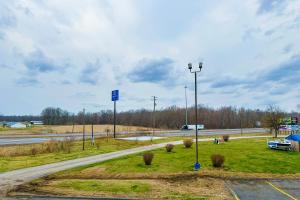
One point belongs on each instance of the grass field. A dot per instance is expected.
(245, 155)
(9, 162)
(171, 175)
(69, 129)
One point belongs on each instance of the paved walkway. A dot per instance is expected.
(9, 180)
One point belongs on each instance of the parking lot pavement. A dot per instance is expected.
(261, 189)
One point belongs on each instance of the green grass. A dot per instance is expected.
(113, 186)
(245, 155)
(18, 162)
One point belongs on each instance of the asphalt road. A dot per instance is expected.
(9, 180)
(265, 189)
(39, 138)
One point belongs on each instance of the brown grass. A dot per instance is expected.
(77, 129)
(34, 149)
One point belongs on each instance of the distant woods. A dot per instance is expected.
(171, 117)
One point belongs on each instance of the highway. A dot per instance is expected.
(39, 138)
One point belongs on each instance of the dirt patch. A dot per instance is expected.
(205, 188)
(99, 173)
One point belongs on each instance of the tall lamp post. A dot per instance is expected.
(186, 121)
(197, 165)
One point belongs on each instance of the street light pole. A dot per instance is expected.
(197, 165)
(186, 120)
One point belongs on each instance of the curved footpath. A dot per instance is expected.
(9, 180)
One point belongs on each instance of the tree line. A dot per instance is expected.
(170, 118)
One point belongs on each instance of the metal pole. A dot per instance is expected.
(93, 140)
(196, 113)
(153, 115)
(114, 119)
(186, 120)
(241, 125)
(83, 132)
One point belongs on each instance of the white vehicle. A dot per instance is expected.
(192, 127)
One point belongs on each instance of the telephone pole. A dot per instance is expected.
(153, 115)
(83, 131)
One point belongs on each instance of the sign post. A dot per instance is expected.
(114, 98)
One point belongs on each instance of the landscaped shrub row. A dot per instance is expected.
(216, 159)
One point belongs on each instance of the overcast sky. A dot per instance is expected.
(71, 54)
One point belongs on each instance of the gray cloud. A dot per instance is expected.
(6, 17)
(269, 5)
(26, 82)
(90, 73)
(39, 62)
(152, 70)
(286, 74)
(228, 82)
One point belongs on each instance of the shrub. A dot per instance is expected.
(148, 157)
(67, 144)
(51, 146)
(169, 147)
(217, 160)
(33, 151)
(226, 138)
(188, 143)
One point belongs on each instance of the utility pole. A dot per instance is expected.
(186, 113)
(83, 131)
(93, 139)
(73, 123)
(153, 114)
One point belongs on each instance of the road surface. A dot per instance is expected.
(9, 180)
(39, 138)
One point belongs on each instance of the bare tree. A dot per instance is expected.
(272, 118)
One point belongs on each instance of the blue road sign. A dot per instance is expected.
(115, 95)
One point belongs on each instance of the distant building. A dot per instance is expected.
(37, 122)
(15, 125)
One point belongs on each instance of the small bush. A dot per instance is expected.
(148, 157)
(226, 138)
(51, 146)
(217, 160)
(33, 151)
(169, 147)
(188, 143)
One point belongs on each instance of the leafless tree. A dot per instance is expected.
(272, 118)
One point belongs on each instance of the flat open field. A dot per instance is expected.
(244, 155)
(171, 174)
(70, 129)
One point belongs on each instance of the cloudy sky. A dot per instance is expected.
(71, 54)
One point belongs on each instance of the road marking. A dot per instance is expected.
(280, 190)
(233, 193)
